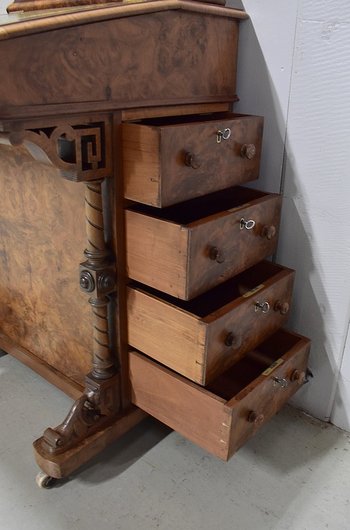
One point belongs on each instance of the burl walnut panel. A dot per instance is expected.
(165, 57)
(42, 236)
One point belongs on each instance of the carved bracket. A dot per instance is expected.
(96, 408)
(80, 151)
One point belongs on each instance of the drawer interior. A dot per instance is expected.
(188, 119)
(241, 374)
(195, 209)
(225, 293)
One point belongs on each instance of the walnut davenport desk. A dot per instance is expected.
(117, 136)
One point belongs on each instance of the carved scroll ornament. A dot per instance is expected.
(79, 152)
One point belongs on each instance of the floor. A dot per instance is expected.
(294, 475)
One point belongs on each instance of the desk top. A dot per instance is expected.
(25, 23)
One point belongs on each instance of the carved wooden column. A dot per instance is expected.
(100, 402)
(97, 278)
(81, 151)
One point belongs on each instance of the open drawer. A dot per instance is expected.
(223, 416)
(204, 336)
(186, 249)
(169, 160)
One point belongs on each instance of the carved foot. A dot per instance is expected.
(97, 407)
(63, 464)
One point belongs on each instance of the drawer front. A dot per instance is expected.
(202, 347)
(261, 400)
(235, 332)
(219, 424)
(168, 164)
(196, 161)
(232, 242)
(186, 258)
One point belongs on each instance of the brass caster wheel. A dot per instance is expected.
(45, 481)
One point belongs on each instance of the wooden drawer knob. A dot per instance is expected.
(192, 160)
(216, 254)
(254, 417)
(232, 340)
(281, 307)
(248, 151)
(269, 232)
(298, 376)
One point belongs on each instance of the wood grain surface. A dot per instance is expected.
(175, 110)
(186, 408)
(42, 237)
(191, 337)
(157, 253)
(141, 164)
(172, 249)
(218, 164)
(28, 23)
(221, 424)
(31, 5)
(59, 379)
(186, 58)
(238, 248)
(174, 337)
(265, 397)
(62, 465)
(248, 326)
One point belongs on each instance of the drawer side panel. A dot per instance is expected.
(180, 405)
(163, 247)
(167, 334)
(141, 163)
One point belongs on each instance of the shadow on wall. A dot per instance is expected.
(308, 315)
(258, 95)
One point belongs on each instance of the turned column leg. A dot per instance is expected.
(100, 403)
(80, 149)
(97, 278)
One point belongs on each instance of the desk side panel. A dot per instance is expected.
(42, 237)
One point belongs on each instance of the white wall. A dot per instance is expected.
(294, 69)
(264, 76)
(3, 5)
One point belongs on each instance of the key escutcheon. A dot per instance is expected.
(264, 307)
(246, 224)
(223, 135)
(280, 381)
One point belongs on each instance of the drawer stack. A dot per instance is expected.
(204, 307)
